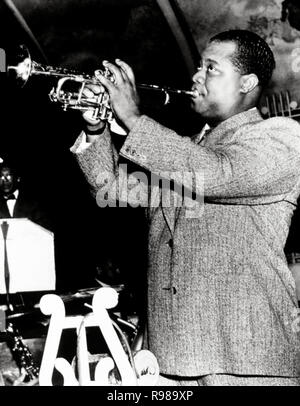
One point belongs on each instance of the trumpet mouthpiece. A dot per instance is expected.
(192, 93)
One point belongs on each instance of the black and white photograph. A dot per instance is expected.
(149, 195)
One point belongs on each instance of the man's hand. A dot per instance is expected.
(92, 125)
(123, 97)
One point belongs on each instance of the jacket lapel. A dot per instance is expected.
(210, 137)
(4, 209)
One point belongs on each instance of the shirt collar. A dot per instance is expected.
(15, 193)
(235, 121)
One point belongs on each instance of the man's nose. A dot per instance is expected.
(199, 77)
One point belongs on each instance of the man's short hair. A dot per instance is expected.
(253, 54)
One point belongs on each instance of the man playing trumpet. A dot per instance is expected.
(222, 306)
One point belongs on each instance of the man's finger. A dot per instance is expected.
(88, 93)
(127, 69)
(87, 115)
(90, 90)
(95, 88)
(114, 70)
(106, 83)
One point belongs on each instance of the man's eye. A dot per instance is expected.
(211, 68)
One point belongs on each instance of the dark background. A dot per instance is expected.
(37, 134)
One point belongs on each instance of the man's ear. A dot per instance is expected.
(249, 82)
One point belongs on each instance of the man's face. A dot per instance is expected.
(8, 181)
(218, 83)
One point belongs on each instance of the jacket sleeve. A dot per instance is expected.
(112, 182)
(261, 163)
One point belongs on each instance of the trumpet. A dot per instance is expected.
(99, 105)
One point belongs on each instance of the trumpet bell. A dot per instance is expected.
(21, 67)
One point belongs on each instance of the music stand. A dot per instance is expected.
(29, 256)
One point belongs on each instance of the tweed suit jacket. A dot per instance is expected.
(221, 298)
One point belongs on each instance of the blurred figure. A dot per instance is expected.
(15, 202)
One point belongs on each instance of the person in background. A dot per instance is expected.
(16, 202)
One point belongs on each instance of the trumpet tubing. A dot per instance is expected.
(76, 100)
